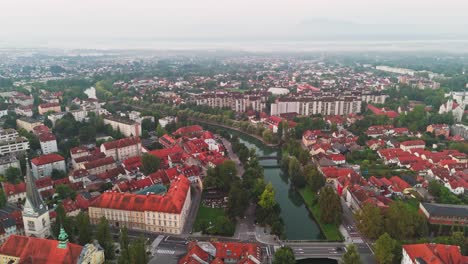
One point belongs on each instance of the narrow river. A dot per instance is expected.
(299, 224)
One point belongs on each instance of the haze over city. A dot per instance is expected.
(234, 131)
(230, 24)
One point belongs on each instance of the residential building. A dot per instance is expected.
(43, 165)
(22, 99)
(239, 102)
(324, 105)
(439, 130)
(80, 115)
(7, 228)
(127, 127)
(445, 214)
(23, 249)
(8, 134)
(48, 107)
(48, 143)
(100, 165)
(3, 112)
(152, 213)
(432, 253)
(36, 217)
(457, 109)
(7, 162)
(24, 110)
(374, 98)
(122, 149)
(27, 123)
(412, 144)
(166, 120)
(402, 71)
(13, 146)
(459, 130)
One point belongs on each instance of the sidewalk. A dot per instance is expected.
(263, 236)
(348, 238)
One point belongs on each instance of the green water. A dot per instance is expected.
(299, 225)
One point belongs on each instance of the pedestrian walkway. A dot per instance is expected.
(263, 235)
(165, 251)
(350, 237)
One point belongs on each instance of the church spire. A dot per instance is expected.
(63, 238)
(33, 198)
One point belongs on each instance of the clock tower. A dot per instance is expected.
(36, 217)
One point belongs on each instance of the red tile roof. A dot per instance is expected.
(122, 143)
(172, 202)
(40, 129)
(41, 251)
(164, 153)
(99, 163)
(188, 130)
(44, 137)
(48, 105)
(46, 159)
(435, 253)
(11, 189)
(413, 143)
(79, 149)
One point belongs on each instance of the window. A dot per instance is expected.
(31, 225)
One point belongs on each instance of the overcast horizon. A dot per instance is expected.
(210, 23)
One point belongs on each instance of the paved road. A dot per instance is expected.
(196, 200)
(233, 156)
(245, 227)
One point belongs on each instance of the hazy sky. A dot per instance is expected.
(103, 20)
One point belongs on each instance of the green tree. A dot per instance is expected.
(103, 235)
(238, 200)
(87, 133)
(314, 179)
(370, 221)
(434, 188)
(150, 163)
(295, 173)
(137, 251)
(402, 222)
(160, 131)
(351, 256)
(83, 226)
(64, 191)
(459, 239)
(58, 174)
(124, 241)
(3, 199)
(12, 175)
(267, 135)
(147, 124)
(284, 255)
(330, 206)
(384, 249)
(267, 198)
(62, 220)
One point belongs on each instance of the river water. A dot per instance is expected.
(299, 224)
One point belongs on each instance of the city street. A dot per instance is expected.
(232, 156)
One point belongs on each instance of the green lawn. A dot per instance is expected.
(206, 214)
(330, 231)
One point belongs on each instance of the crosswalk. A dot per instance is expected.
(165, 251)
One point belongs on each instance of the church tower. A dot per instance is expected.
(36, 217)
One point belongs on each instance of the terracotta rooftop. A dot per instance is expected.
(46, 159)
